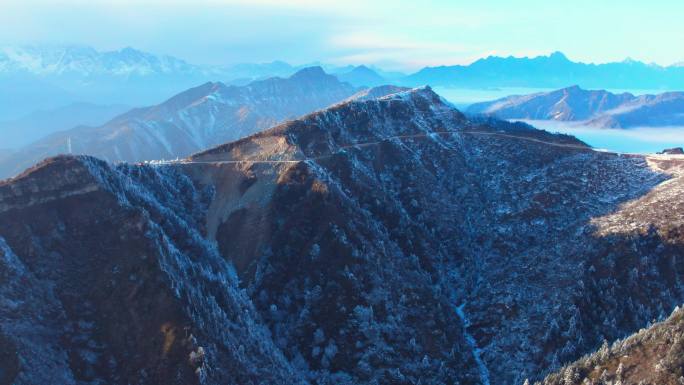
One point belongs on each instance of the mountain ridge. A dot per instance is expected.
(362, 76)
(194, 119)
(134, 77)
(597, 108)
(551, 71)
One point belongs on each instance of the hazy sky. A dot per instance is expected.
(390, 33)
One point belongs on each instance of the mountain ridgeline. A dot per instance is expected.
(201, 117)
(50, 77)
(552, 71)
(593, 108)
(379, 241)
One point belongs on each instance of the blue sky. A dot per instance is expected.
(402, 35)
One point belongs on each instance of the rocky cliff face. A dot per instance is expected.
(389, 240)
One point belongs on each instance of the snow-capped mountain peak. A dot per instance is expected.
(84, 60)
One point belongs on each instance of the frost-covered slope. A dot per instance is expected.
(117, 285)
(388, 241)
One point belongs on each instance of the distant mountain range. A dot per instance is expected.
(86, 61)
(48, 77)
(193, 120)
(593, 108)
(82, 74)
(362, 76)
(553, 71)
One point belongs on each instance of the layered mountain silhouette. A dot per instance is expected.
(198, 118)
(378, 241)
(593, 108)
(552, 71)
(362, 76)
(50, 77)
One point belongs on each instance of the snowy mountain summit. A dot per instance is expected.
(86, 61)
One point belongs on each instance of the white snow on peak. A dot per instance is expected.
(57, 60)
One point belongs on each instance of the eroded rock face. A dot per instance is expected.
(378, 241)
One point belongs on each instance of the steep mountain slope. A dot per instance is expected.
(193, 120)
(377, 241)
(651, 356)
(552, 71)
(595, 108)
(118, 286)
